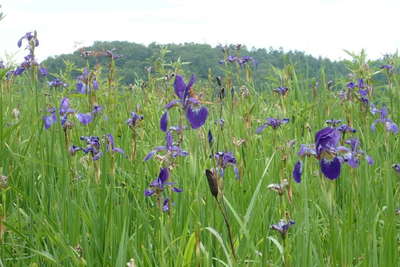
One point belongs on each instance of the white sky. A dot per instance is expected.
(318, 27)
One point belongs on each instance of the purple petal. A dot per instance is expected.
(166, 205)
(177, 190)
(148, 192)
(43, 71)
(191, 82)
(353, 162)
(330, 168)
(391, 126)
(179, 86)
(164, 174)
(85, 119)
(118, 150)
(261, 128)
(97, 156)
(236, 171)
(197, 117)
(164, 122)
(169, 140)
(298, 171)
(49, 120)
(149, 155)
(172, 103)
(369, 159)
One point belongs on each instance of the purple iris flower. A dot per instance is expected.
(352, 156)
(195, 114)
(361, 83)
(51, 119)
(160, 183)
(386, 67)
(225, 159)
(96, 109)
(80, 87)
(351, 85)
(64, 107)
(28, 36)
(165, 207)
(396, 167)
(85, 82)
(73, 149)
(43, 71)
(110, 144)
(274, 123)
(281, 90)
(18, 71)
(57, 83)
(232, 59)
(134, 119)
(65, 110)
(282, 226)
(330, 154)
(326, 141)
(92, 146)
(84, 118)
(388, 123)
(170, 148)
(2, 66)
(245, 59)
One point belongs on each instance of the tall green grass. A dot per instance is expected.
(55, 214)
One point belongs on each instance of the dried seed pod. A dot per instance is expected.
(212, 182)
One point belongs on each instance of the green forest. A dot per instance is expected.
(201, 59)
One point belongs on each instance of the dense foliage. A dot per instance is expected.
(202, 58)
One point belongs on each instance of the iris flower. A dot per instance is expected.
(281, 90)
(159, 184)
(29, 36)
(388, 123)
(92, 146)
(51, 119)
(224, 160)
(396, 167)
(330, 154)
(352, 156)
(57, 83)
(110, 144)
(274, 123)
(134, 119)
(282, 226)
(195, 114)
(86, 82)
(169, 147)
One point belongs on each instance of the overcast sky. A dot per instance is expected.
(318, 27)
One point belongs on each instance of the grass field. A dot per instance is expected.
(67, 206)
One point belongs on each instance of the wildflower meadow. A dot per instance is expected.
(178, 170)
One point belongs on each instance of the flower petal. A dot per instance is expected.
(164, 122)
(261, 128)
(85, 119)
(179, 86)
(197, 117)
(330, 168)
(298, 171)
(164, 174)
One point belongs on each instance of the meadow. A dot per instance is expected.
(174, 171)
